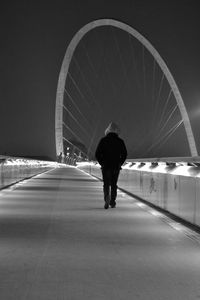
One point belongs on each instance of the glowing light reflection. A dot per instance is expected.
(156, 213)
(176, 226)
(142, 205)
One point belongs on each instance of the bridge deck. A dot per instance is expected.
(57, 242)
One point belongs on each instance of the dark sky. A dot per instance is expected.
(34, 38)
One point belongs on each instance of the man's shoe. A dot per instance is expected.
(106, 205)
(107, 202)
(113, 205)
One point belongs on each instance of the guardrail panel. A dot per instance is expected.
(172, 200)
(175, 187)
(13, 170)
(197, 204)
(187, 198)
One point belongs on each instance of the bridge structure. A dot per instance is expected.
(61, 124)
(57, 241)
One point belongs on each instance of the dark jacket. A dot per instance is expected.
(111, 151)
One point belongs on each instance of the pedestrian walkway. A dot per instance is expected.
(57, 242)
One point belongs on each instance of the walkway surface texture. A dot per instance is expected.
(57, 242)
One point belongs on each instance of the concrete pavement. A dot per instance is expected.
(57, 242)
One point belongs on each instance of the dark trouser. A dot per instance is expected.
(110, 177)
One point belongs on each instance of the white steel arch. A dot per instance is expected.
(65, 66)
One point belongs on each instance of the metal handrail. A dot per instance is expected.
(184, 159)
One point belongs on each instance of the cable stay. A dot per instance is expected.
(166, 135)
(97, 76)
(134, 63)
(115, 89)
(161, 85)
(75, 105)
(178, 124)
(78, 123)
(98, 80)
(89, 60)
(86, 82)
(120, 55)
(103, 52)
(170, 116)
(93, 136)
(73, 133)
(165, 107)
(72, 79)
(158, 99)
(153, 80)
(144, 70)
(88, 87)
(104, 66)
(156, 136)
(153, 94)
(144, 140)
(119, 90)
(74, 146)
(78, 89)
(83, 97)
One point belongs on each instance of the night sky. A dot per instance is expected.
(34, 39)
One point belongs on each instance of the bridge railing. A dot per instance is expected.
(15, 169)
(172, 184)
(72, 154)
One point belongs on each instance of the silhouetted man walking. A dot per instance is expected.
(111, 153)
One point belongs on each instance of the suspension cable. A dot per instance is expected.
(89, 59)
(165, 107)
(166, 135)
(158, 99)
(73, 133)
(93, 135)
(156, 137)
(78, 123)
(178, 124)
(74, 145)
(78, 89)
(96, 74)
(160, 88)
(86, 82)
(153, 80)
(120, 54)
(72, 100)
(134, 62)
(171, 114)
(144, 70)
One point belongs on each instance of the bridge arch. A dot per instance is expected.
(65, 66)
